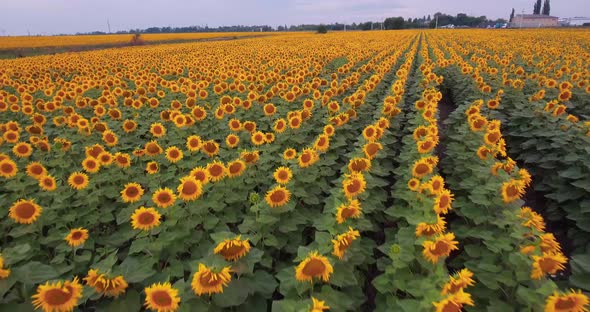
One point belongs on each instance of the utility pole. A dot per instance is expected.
(371, 25)
(109, 25)
(521, 18)
(436, 23)
(344, 27)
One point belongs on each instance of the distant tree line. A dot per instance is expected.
(399, 22)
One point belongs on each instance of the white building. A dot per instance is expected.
(574, 21)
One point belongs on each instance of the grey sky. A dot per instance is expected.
(17, 17)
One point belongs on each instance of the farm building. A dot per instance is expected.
(534, 21)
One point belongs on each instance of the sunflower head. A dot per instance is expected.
(314, 266)
(145, 219)
(76, 237)
(277, 196)
(58, 296)
(569, 301)
(440, 246)
(161, 297)
(343, 241)
(164, 197)
(283, 175)
(25, 211)
(210, 281)
(233, 249)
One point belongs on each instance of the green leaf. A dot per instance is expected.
(135, 270)
(35, 272)
(131, 301)
(234, 294)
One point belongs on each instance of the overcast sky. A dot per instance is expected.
(18, 17)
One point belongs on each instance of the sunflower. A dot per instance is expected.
(91, 165)
(249, 126)
(76, 237)
(193, 143)
(531, 219)
(283, 175)
(307, 158)
(145, 219)
(78, 180)
(565, 95)
(421, 168)
(353, 184)
(250, 157)
(492, 137)
(206, 280)
(512, 190)
(233, 249)
(152, 148)
(548, 263)
(454, 302)
(161, 297)
(318, 305)
(441, 247)
(164, 197)
(132, 192)
(278, 196)
(152, 167)
(234, 125)
(289, 154)
(129, 126)
(314, 266)
(11, 136)
(322, 143)
(25, 211)
(232, 140)
(158, 130)
(258, 138)
(371, 149)
(414, 184)
(459, 281)
(8, 168)
(110, 138)
(359, 165)
(211, 148)
(4, 272)
(437, 184)
(201, 174)
(429, 229)
(280, 125)
(351, 210)
(110, 287)
(443, 201)
(22, 150)
(58, 296)
(189, 188)
(235, 168)
(571, 301)
(105, 158)
(369, 133)
(216, 171)
(295, 122)
(343, 241)
(173, 154)
(549, 243)
(36, 170)
(269, 109)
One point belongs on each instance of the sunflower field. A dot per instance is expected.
(353, 171)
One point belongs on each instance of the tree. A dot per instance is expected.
(394, 23)
(546, 8)
(322, 29)
(537, 7)
(511, 15)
